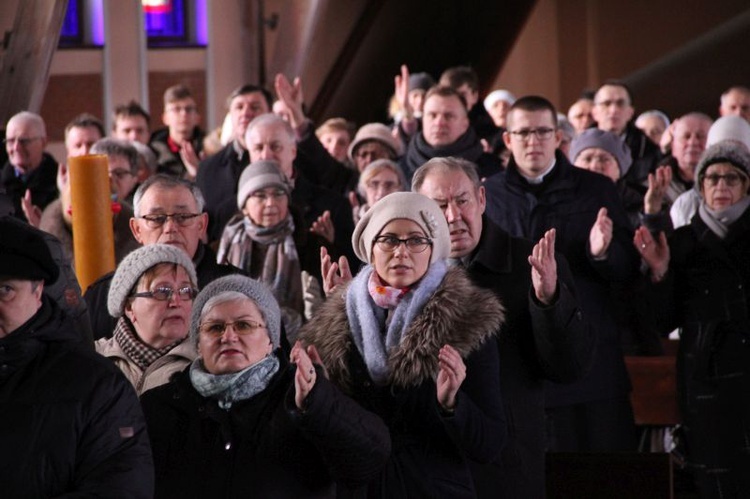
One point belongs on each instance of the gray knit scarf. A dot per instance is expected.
(235, 387)
(368, 321)
(281, 268)
(719, 221)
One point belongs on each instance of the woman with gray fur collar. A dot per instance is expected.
(411, 340)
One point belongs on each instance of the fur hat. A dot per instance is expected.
(133, 266)
(24, 254)
(409, 205)
(729, 128)
(498, 95)
(378, 132)
(255, 290)
(259, 175)
(723, 152)
(593, 137)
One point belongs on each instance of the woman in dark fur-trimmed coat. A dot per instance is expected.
(408, 340)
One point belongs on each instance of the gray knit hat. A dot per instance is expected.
(421, 81)
(255, 290)
(379, 133)
(593, 137)
(727, 151)
(409, 205)
(137, 262)
(259, 175)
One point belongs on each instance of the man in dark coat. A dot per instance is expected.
(70, 422)
(168, 210)
(545, 335)
(613, 111)
(29, 170)
(446, 132)
(539, 191)
(219, 174)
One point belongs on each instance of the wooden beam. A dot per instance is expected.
(25, 65)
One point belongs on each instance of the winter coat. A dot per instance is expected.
(535, 344)
(264, 446)
(156, 374)
(42, 182)
(103, 324)
(569, 200)
(217, 179)
(169, 161)
(706, 293)
(431, 448)
(69, 420)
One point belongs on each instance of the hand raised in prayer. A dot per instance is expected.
(292, 96)
(334, 274)
(544, 267)
(654, 252)
(658, 182)
(323, 227)
(304, 376)
(600, 236)
(451, 374)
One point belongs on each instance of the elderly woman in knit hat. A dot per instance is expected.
(242, 421)
(270, 244)
(701, 281)
(412, 340)
(151, 296)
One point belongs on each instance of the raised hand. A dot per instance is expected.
(600, 236)
(304, 376)
(323, 227)
(544, 267)
(189, 158)
(334, 274)
(655, 252)
(658, 182)
(32, 212)
(451, 374)
(292, 96)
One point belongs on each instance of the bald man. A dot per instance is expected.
(29, 171)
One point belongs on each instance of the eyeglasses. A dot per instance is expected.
(181, 109)
(387, 185)
(22, 141)
(541, 134)
(413, 244)
(240, 327)
(181, 219)
(731, 179)
(164, 293)
(263, 196)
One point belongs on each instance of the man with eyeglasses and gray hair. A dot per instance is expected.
(29, 170)
(167, 210)
(540, 190)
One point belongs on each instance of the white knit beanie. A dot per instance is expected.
(407, 205)
(255, 290)
(732, 128)
(133, 266)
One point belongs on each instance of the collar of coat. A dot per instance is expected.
(459, 314)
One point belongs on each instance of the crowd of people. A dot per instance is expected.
(415, 308)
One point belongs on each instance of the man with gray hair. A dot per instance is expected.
(167, 210)
(122, 159)
(545, 335)
(30, 172)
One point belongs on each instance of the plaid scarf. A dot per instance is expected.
(140, 353)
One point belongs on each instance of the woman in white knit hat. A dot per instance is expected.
(152, 297)
(412, 340)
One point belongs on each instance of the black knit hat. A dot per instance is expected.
(24, 253)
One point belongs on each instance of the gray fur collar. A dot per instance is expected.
(459, 314)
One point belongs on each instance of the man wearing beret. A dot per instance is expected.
(69, 421)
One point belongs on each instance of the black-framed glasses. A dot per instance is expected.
(157, 220)
(164, 293)
(240, 327)
(542, 133)
(731, 179)
(120, 174)
(414, 244)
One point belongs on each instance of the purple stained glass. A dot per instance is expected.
(170, 25)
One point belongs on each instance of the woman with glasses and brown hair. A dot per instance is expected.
(151, 296)
(701, 280)
(242, 421)
(411, 340)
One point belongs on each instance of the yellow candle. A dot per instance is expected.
(91, 205)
